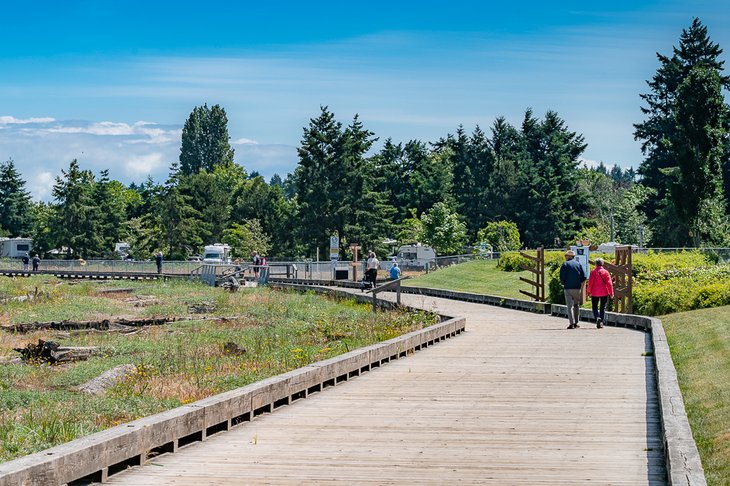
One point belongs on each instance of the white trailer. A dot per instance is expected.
(416, 255)
(217, 253)
(15, 247)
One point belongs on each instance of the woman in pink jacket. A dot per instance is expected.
(600, 288)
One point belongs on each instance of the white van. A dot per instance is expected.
(217, 253)
(416, 255)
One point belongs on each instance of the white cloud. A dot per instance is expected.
(144, 165)
(591, 164)
(113, 129)
(40, 185)
(11, 120)
(130, 152)
(244, 141)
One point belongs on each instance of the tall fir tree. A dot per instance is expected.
(16, 215)
(697, 146)
(659, 129)
(110, 205)
(205, 140)
(336, 186)
(552, 209)
(75, 225)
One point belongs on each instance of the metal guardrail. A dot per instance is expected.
(105, 266)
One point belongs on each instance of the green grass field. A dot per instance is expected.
(700, 344)
(176, 363)
(478, 276)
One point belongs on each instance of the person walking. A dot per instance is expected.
(600, 288)
(572, 277)
(264, 270)
(26, 262)
(255, 264)
(158, 261)
(371, 268)
(36, 261)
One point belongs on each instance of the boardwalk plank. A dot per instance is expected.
(517, 399)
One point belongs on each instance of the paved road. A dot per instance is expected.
(517, 399)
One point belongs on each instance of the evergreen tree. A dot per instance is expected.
(471, 162)
(254, 199)
(75, 225)
(552, 210)
(178, 222)
(697, 147)
(16, 216)
(504, 179)
(205, 140)
(110, 206)
(431, 181)
(335, 187)
(660, 127)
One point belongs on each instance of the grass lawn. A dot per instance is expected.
(700, 345)
(478, 276)
(273, 332)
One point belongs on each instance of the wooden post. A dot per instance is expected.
(538, 268)
(354, 248)
(623, 281)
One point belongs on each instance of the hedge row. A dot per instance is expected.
(663, 282)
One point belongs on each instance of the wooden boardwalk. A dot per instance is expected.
(517, 399)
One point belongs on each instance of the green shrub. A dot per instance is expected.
(651, 263)
(677, 291)
(555, 288)
(664, 297)
(712, 295)
(502, 235)
(512, 261)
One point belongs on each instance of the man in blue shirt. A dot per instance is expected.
(572, 277)
(395, 271)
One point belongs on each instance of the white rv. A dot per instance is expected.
(416, 255)
(217, 253)
(15, 247)
(122, 249)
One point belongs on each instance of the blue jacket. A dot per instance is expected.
(571, 274)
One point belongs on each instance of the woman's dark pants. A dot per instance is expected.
(595, 301)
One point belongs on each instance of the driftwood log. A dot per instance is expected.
(102, 325)
(53, 353)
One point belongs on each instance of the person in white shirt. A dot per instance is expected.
(371, 268)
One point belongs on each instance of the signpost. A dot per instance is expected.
(334, 253)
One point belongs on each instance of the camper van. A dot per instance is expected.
(15, 247)
(217, 253)
(416, 255)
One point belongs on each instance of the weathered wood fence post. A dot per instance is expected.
(623, 280)
(538, 268)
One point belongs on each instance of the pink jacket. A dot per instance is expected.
(599, 283)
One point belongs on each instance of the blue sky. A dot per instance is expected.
(111, 83)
